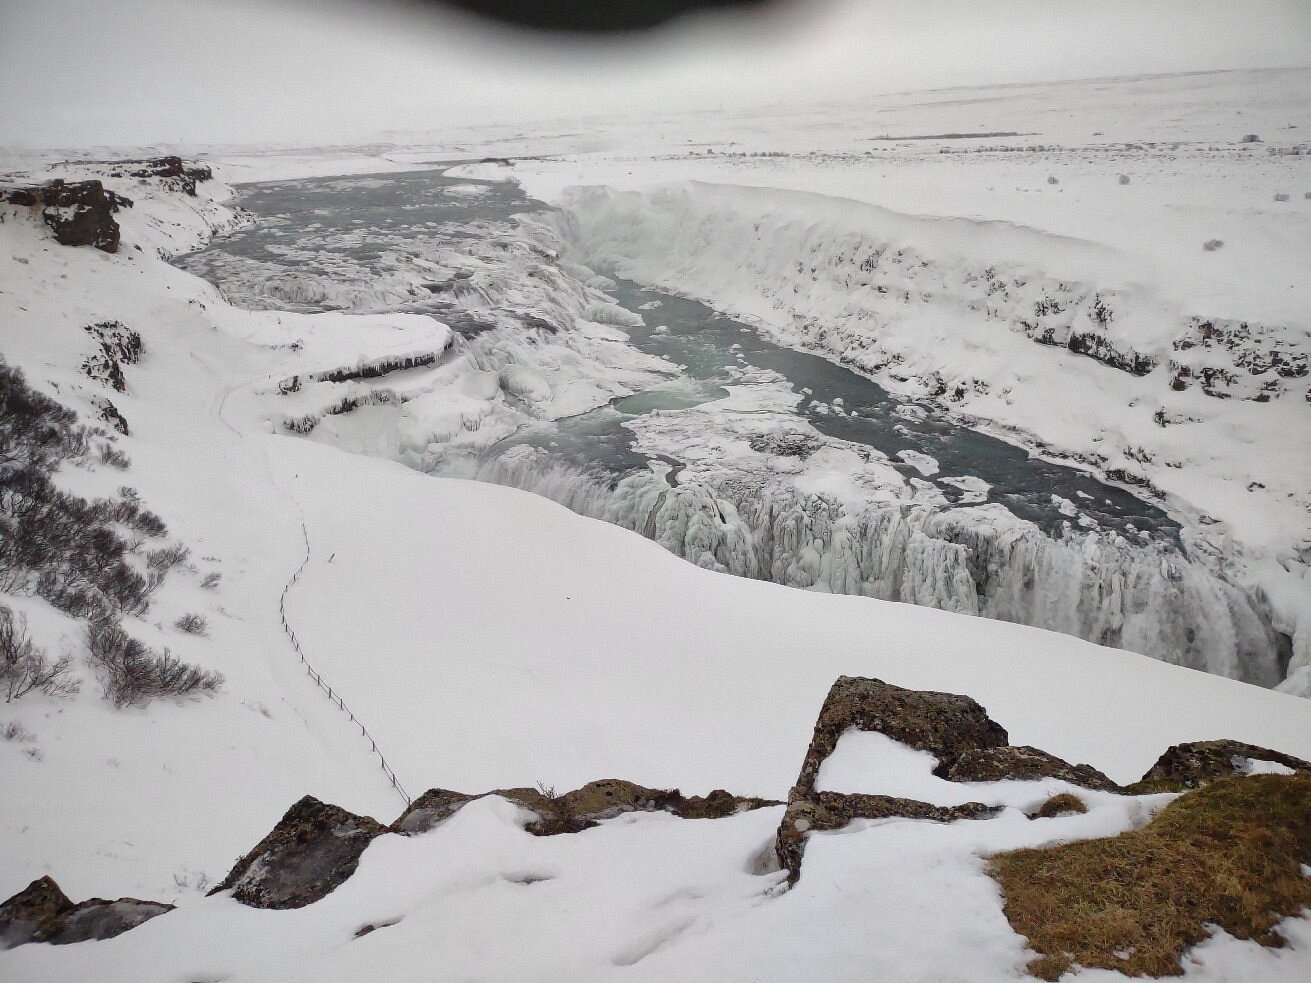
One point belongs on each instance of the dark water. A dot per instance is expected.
(348, 226)
(704, 341)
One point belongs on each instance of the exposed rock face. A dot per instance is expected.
(1198, 762)
(582, 808)
(944, 724)
(173, 171)
(1024, 763)
(834, 810)
(117, 346)
(41, 912)
(80, 213)
(309, 853)
(429, 810)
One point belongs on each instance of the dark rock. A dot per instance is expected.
(41, 912)
(429, 810)
(1198, 762)
(719, 804)
(834, 810)
(580, 809)
(1024, 764)
(1098, 347)
(79, 214)
(944, 724)
(97, 919)
(33, 914)
(117, 346)
(111, 415)
(800, 445)
(173, 172)
(310, 852)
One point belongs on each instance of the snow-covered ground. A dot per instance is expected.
(488, 637)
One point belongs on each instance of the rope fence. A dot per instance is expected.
(314, 674)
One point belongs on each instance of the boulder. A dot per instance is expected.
(310, 852)
(944, 724)
(97, 919)
(834, 810)
(1194, 764)
(1023, 764)
(41, 912)
(33, 914)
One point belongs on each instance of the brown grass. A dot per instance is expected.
(1061, 804)
(1226, 855)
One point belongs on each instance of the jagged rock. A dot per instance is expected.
(33, 914)
(944, 724)
(41, 912)
(79, 213)
(118, 345)
(800, 445)
(174, 171)
(834, 810)
(1198, 762)
(111, 415)
(309, 853)
(580, 809)
(1024, 763)
(98, 919)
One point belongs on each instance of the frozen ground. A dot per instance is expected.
(491, 638)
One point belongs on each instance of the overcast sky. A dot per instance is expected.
(123, 72)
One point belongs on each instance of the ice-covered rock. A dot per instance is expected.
(41, 912)
(312, 850)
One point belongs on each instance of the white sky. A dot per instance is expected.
(86, 72)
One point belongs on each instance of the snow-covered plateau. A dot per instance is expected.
(305, 426)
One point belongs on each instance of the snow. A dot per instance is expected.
(491, 638)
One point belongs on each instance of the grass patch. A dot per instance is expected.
(1062, 804)
(1226, 855)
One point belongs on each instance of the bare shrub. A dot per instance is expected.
(1211, 245)
(192, 623)
(14, 731)
(54, 544)
(24, 667)
(211, 580)
(166, 558)
(131, 674)
(113, 457)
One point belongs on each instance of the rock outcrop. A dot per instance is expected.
(1196, 763)
(1024, 763)
(79, 213)
(310, 852)
(41, 912)
(944, 724)
(821, 811)
(580, 809)
(173, 172)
